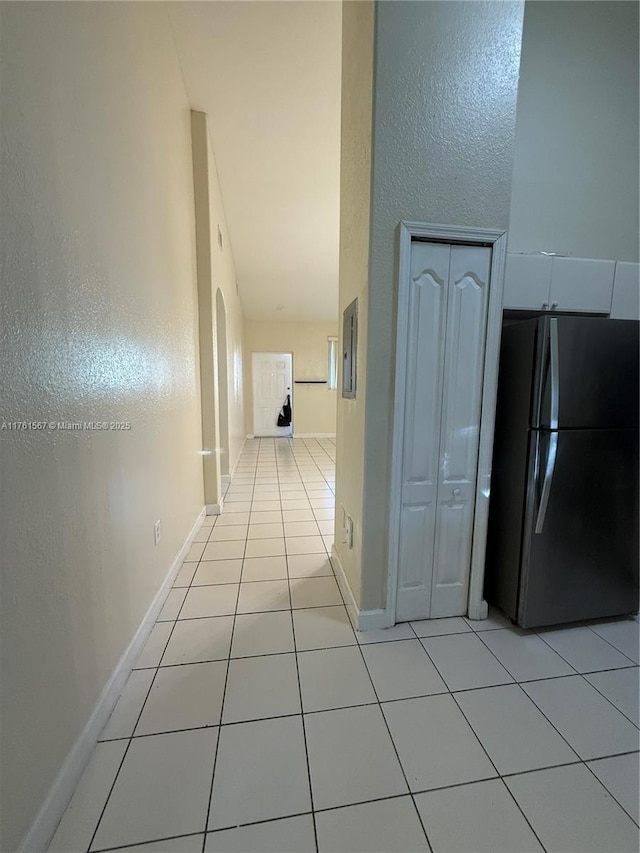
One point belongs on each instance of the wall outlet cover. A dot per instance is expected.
(349, 532)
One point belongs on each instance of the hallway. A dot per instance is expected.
(477, 737)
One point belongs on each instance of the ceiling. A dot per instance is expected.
(267, 73)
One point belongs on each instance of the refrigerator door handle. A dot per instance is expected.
(548, 478)
(555, 373)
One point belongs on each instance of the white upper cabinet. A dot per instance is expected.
(581, 284)
(541, 282)
(527, 281)
(626, 292)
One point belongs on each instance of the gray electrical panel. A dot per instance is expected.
(349, 349)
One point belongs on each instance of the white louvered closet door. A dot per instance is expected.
(448, 301)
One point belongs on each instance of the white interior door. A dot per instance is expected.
(448, 294)
(460, 427)
(421, 448)
(271, 384)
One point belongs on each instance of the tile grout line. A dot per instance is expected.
(144, 843)
(358, 803)
(583, 675)
(302, 720)
(146, 699)
(309, 499)
(451, 693)
(499, 774)
(580, 760)
(220, 725)
(482, 746)
(325, 648)
(573, 674)
(488, 647)
(604, 696)
(345, 707)
(613, 620)
(393, 743)
(224, 694)
(519, 683)
(610, 793)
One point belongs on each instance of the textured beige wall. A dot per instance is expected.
(217, 289)
(314, 406)
(355, 194)
(575, 177)
(442, 152)
(99, 324)
(208, 378)
(224, 281)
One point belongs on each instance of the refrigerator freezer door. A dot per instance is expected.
(509, 470)
(583, 562)
(597, 374)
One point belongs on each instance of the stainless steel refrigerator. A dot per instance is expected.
(563, 519)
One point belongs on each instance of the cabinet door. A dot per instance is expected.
(468, 294)
(421, 447)
(625, 304)
(581, 284)
(527, 279)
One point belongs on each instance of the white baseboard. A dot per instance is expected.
(369, 620)
(227, 479)
(479, 610)
(237, 459)
(345, 588)
(274, 435)
(362, 620)
(314, 435)
(215, 509)
(297, 435)
(53, 808)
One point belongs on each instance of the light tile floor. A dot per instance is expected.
(257, 720)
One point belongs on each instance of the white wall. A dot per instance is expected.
(314, 406)
(445, 84)
(99, 324)
(575, 178)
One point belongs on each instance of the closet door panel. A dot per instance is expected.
(453, 558)
(424, 377)
(468, 292)
(423, 407)
(416, 560)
